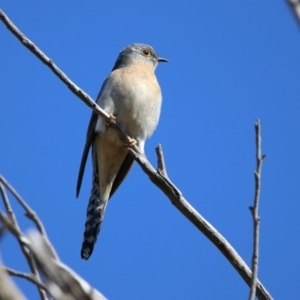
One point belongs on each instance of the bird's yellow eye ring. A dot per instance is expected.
(146, 52)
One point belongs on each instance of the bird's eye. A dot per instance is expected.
(146, 52)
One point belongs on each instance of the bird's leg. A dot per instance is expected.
(131, 143)
(110, 119)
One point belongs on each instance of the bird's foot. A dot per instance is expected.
(110, 119)
(131, 143)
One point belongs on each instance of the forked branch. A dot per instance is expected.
(158, 177)
(60, 281)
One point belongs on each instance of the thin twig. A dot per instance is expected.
(47, 61)
(29, 277)
(29, 212)
(7, 205)
(9, 225)
(160, 160)
(295, 7)
(8, 290)
(254, 210)
(62, 282)
(13, 227)
(177, 199)
(157, 177)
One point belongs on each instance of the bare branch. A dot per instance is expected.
(160, 160)
(29, 277)
(62, 282)
(8, 290)
(7, 205)
(176, 198)
(63, 77)
(29, 212)
(47, 61)
(295, 7)
(254, 210)
(13, 227)
(9, 225)
(157, 176)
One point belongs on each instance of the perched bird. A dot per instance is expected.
(132, 95)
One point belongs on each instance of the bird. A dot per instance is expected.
(131, 95)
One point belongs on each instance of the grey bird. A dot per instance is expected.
(132, 95)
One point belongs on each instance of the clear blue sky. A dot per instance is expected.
(231, 62)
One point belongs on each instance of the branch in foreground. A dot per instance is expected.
(29, 277)
(61, 281)
(24, 243)
(176, 198)
(295, 7)
(158, 177)
(29, 212)
(8, 290)
(254, 210)
(12, 223)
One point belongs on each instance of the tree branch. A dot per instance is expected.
(161, 166)
(29, 212)
(29, 277)
(158, 177)
(61, 282)
(176, 198)
(295, 7)
(8, 290)
(12, 224)
(254, 210)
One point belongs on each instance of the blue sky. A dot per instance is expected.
(231, 62)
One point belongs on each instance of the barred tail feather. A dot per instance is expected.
(108, 160)
(94, 217)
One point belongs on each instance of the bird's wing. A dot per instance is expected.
(125, 168)
(104, 99)
(89, 141)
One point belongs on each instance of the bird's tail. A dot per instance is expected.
(94, 217)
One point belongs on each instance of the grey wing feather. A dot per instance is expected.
(125, 168)
(90, 137)
(128, 162)
(89, 141)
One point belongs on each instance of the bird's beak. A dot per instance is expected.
(160, 59)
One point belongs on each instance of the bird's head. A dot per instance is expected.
(140, 52)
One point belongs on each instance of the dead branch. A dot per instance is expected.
(158, 176)
(12, 223)
(61, 282)
(8, 290)
(27, 276)
(29, 212)
(254, 210)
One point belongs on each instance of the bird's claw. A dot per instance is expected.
(110, 119)
(131, 143)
